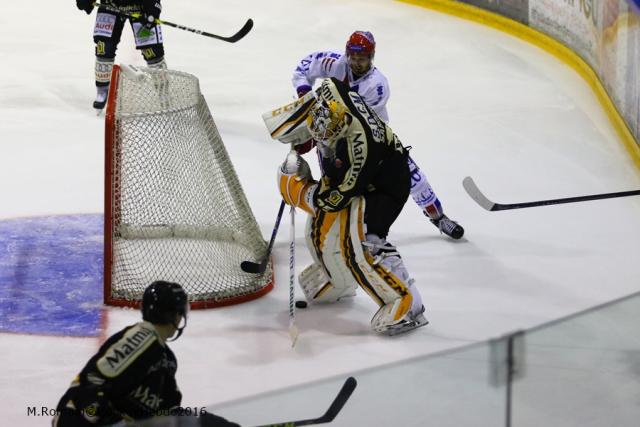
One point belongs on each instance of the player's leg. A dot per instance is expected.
(149, 42)
(323, 237)
(382, 209)
(337, 242)
(106, 36)
(400, 314)
(424, 196)
(386, 201)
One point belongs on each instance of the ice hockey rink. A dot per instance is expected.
(470, 101)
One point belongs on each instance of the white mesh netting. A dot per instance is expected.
(177, 210)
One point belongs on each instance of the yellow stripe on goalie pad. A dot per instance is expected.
(336, 240)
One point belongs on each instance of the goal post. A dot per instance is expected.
(174, 207)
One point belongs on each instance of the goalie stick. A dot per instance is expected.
(136, 15)
(475, 193)
(254, 267)
(337, 404)
(293, 329)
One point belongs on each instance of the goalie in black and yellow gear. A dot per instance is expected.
(364, 185)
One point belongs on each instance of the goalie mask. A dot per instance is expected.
(327, 121)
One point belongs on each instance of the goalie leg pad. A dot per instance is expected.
(335, 241)
(386, 258)
(317, 287)
(328, 279)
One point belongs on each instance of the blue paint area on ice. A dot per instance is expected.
(51, 275)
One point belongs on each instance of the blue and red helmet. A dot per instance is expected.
(361, 42)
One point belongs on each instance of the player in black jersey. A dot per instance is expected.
(363, 188)
(132, 376)
(108, 30)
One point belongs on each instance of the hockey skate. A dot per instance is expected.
(447, 226)
(101, 99)
(410, 321)
(384, 321)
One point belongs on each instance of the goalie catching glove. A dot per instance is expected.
(296, 184)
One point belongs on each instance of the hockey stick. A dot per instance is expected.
(475, 193)
(293, 329)
(336, 406)
(137, 15)
(254, 267)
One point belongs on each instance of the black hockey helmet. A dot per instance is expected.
(162, 301)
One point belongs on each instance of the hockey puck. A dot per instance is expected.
(301, 304)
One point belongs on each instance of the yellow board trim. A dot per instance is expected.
(549, 44)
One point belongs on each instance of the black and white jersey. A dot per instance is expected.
(130, 6)
(132, 376)
(124, 3)
(353, 163)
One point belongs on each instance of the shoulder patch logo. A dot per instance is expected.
(126, 350)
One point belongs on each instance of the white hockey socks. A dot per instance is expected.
(103, 70)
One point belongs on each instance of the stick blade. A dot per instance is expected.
(252, 267)
(242, 32)
(343, 395)
(336, 406)
(474, 192)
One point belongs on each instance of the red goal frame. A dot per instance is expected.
(111, 214)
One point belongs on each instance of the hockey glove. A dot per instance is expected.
(86, 5)
(150, 12)
(93, 405)
(303, 90)
(296, 185)
(305, 147)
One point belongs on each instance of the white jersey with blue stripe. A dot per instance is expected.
(373, 86)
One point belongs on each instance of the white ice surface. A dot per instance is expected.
(470, 100)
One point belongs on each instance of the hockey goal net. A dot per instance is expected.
(174, 207)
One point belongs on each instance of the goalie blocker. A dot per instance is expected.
(346, 241)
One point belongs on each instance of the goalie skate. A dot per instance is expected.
(412, 321)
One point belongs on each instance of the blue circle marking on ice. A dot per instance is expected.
(51, 275)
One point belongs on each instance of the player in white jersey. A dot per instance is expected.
(355, 68)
